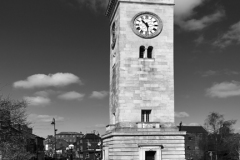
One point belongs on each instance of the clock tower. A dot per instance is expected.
(142, 82)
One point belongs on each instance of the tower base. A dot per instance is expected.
(145, 141)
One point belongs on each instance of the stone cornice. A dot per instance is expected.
(112, 4)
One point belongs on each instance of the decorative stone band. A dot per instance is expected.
(151, 145)
(148, 125)
(112, 4)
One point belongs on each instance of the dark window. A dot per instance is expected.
(141, 52)
(145, 115)
(150, 155)
(87, 155)
(149, 52)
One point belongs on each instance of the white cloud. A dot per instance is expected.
(181, 114)
(71, 96)
(184, 12)
(51, 80)
(92, 4)
(198, 24)
(219, 72)
(230, 37)
(199, 40)
(237, 130)
(184, 8)
(210, 73)
(37, 101)
(99, 94)
(95, 4)
(44, 118)
(224, 89)
(194, 124)
(100, 125)
(42, 93)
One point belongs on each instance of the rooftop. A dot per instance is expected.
(71, 133)
(91, 136)
(193, 129)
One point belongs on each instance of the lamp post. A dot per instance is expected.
(70, 148)
(55, 130)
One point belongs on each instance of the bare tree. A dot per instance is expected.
(233, 143)
(13, 140)
(219, 131)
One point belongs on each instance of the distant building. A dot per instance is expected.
(79, 147)
(70, 137)
(91, 147)
(49, 146)
(88, 146)
(195, 142)
(33, 143)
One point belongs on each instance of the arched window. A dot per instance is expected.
(149, 52)
(141, 52)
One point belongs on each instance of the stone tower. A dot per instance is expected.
(142, 82)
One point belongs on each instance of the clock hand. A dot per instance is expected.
(145, 23)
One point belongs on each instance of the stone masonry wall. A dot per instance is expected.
(127, 147)
(143, 83)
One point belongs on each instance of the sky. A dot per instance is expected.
(55, 55)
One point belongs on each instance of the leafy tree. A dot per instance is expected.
(13, 141)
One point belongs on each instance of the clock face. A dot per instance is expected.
(147, 25)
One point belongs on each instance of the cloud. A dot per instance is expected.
(184, 12)
(71, 96)
(199, 40)
(37, 101)
(210, 73)
(230, 37)
(100, 125)
(194, 124)
(44, 118)
(191, 124)
(99, 94)
(199, 24)
(184, 8)
(237, 130)
(224, 89)
(51, 80)
(94, 5)
(42, 93)
(181, 114)
(45, 93)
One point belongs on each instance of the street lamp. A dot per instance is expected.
(70, 148)
(55, 130)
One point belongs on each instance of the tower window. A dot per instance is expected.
(145, 115)
(141, 52)
(149, 52)
(87, 155)
(150, 155)
(114, 118)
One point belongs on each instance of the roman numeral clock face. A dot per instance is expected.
(146, 25)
